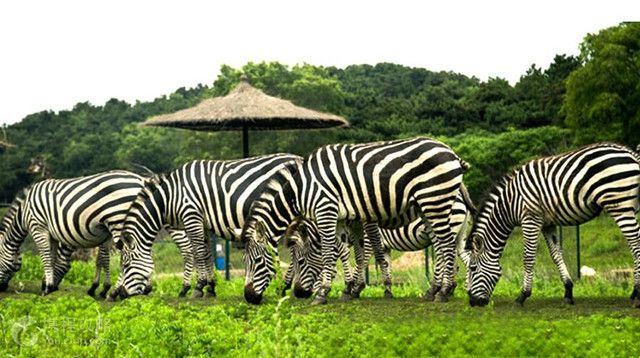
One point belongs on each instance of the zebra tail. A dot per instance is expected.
(465, 166)
(467, 200)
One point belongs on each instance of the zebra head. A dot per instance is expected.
(260, 256)
(486, 241)
(141, 225)
(10, 263)
(13, 232)
(305, 246)
(136, 264)
(484, 271)
(303, 241)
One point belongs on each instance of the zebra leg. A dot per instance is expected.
(626, 221)
(41, 239)
(387, 288)
(362, 260)
(194, 226)
(102, 261)
(211, 279)
(327, 228)
(288, 279)
(186, 251)
(558, 259)
(436, 284)
(372, 232)
(530, 229)
(96, 277)
(62, 263)
(436, 209)
(349, 275)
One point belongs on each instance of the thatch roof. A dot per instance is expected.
(246, 106)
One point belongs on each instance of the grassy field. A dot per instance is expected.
(68, 322)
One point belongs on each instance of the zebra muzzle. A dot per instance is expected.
(478, 301)
(251, 296)
(4, 286)
(301, 292)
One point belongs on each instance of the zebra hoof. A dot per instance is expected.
(197, 293)
(441, 297)
(346, 297)
(636, 303)
(103, 293)
(210, 293)
(431, 293)
(319, 301)
(185, 289)
(568, 301)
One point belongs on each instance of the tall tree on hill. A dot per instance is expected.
(603, 96)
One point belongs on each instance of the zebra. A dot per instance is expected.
(200, 195)
(565, 189)
(381, 184)
(66, 214)
(418, 235)
(295, 240)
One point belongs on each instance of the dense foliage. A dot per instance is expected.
(384, 101)
(602, 323)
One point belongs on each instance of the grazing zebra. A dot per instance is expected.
(566, 189)
(66, 214)
(295, 241)
(198, 196)
(306, 248)
(382, 184)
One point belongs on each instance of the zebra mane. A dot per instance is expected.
(274, 185)
(13, 209)
(487, 202)
(149, 187)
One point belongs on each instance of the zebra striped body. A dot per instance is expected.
(566, 189)
(383, 184)
(66, 214)
(198, 196)
(415, 236)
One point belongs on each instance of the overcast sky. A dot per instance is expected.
(54, 54)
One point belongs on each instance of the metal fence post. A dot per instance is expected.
(578, 251)
(366, 274)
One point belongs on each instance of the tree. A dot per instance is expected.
(603, 96)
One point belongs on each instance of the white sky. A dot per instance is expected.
(54, 54)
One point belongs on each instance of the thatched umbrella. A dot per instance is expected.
(245, 108)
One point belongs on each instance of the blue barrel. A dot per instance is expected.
(220, 263)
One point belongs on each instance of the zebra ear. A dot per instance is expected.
(260, 230)
(297, 226)
(118, 243)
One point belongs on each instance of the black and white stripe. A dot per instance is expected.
(382, 184)
(418, 235)
(63, 215)
(566, 189)
(198, 196)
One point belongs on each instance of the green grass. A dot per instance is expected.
(602, 323)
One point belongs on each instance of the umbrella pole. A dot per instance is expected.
(245, 142)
